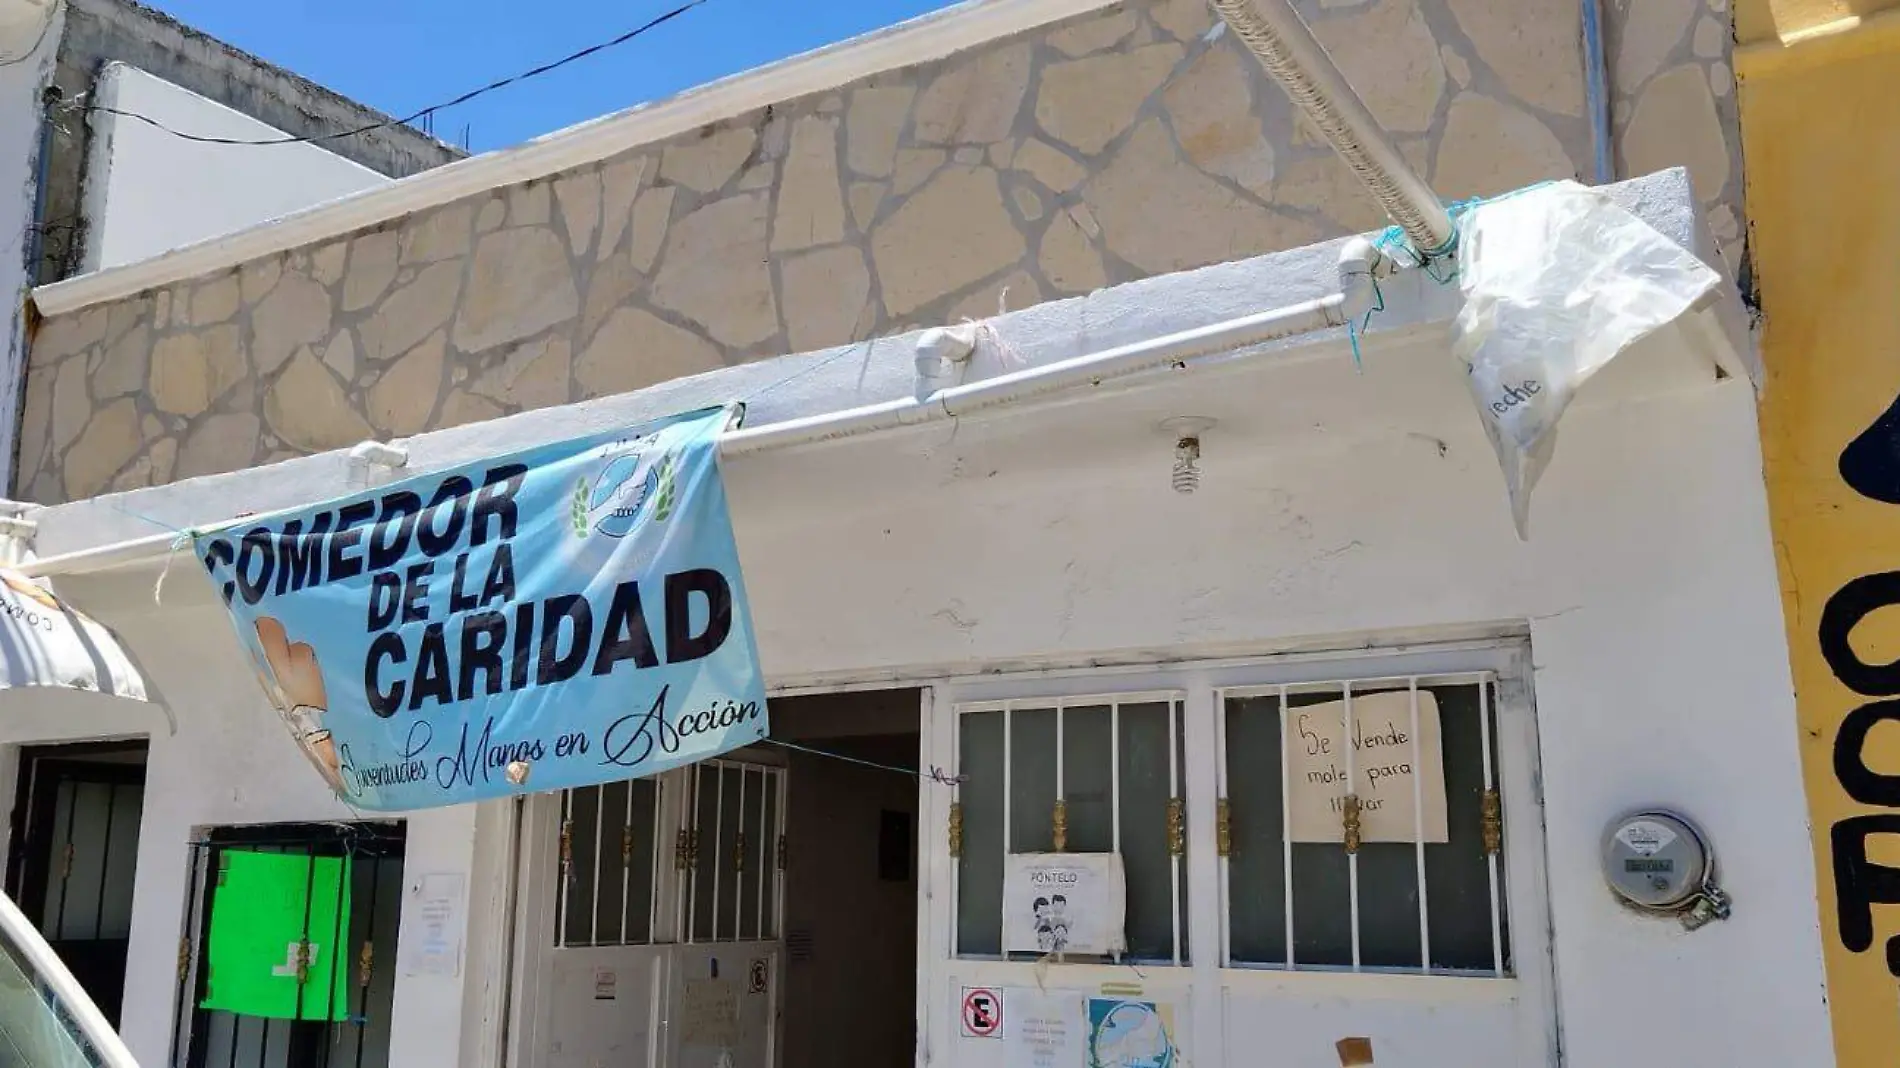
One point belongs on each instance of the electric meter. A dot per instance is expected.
(1659, 862)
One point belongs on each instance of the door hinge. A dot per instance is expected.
(1177, 826)
(956, 828)
(1223, 828)
(1059, 826)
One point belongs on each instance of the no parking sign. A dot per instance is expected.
(982, 1012)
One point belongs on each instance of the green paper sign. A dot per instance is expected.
(279, 931)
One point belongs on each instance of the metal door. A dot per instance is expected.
(663, 897)
(75, 852)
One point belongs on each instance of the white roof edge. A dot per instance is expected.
(920, 40)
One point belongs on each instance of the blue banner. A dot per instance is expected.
(562, 616)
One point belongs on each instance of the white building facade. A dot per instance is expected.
(1034, 583)
(997, 635)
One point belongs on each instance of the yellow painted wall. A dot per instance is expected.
(1821, 137)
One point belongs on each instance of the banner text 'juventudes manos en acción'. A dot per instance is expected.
(562, 616)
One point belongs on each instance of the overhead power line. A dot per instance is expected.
(429, 111)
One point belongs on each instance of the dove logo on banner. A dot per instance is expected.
(562, 616)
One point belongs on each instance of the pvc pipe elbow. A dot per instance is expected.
(1361, 265)
(939, 351)
(379, 454)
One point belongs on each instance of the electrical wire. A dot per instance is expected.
(934, 774)
(526, 75)
(52, 16)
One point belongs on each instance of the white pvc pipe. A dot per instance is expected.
(1286, 47)
(1017, 386)
(1359, 264)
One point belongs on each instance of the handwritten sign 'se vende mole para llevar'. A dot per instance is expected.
(1394, 773)
(561, 616)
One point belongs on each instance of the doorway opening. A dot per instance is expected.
(73, 855)
(754, 910)
(851, 878)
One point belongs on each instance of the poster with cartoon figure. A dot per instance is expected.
(1056, 903)
(561, 616)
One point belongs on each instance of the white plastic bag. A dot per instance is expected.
(1558, 281)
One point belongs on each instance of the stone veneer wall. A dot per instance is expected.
(1673, 103)
(1130, 142)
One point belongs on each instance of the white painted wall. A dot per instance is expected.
(231, 763)
(29, 38)
(1338, 508)
(148, 191)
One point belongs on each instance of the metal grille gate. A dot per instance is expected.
(207, 1038)
(693, 856)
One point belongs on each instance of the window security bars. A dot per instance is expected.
(1407, 878)
(610, 860)
(693, 856)
(1081, 774)
(735, 839)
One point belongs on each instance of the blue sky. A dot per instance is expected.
(403, 55)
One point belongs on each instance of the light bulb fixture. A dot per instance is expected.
(1186, 430)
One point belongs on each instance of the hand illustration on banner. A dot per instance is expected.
(298, 692)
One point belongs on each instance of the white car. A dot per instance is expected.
(46, 1020)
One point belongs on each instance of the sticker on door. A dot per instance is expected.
(982, 1012)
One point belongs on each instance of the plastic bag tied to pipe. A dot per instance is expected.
(1558, 280)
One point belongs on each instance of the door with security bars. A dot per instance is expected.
(288, 957)
(724, 993)
(74, 854)
(1354, 841)
(664, 900)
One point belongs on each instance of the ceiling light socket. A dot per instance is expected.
(1186, 430)
(1187, 426)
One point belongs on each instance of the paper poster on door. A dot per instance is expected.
(437, 949)
(1396, 777)
(1125, 1033)
(1064, 903)
(709, 1013)
(1043, 1030)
